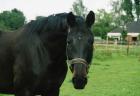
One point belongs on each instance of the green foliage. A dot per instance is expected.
(11, 20)
(137, 8)
(127, 6)
(123, 12)
(78, 8)
(104, 23)
(124, 34)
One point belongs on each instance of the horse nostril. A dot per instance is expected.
(79, 82)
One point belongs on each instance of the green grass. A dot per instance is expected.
(116, 77)
(112, 73)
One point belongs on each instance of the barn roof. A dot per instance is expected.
(133, 27)
(116, 30)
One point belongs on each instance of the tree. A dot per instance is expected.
(127, 6)
(137, 8)
(124, 34)
(139, 37)
(123, 12)
(123, 15)
(117, 11)
(79, 9)
(12, 20)
(104, 23)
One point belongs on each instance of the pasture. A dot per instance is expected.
(112, 73)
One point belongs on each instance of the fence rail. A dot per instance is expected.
(125, 49)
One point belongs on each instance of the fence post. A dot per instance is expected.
(128, 44)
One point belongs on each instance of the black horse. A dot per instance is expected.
(33, 59)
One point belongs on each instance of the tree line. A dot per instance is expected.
(123, 12)
(11, 20)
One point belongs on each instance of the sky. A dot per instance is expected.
(33, 8)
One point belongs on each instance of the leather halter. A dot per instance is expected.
(78, 61)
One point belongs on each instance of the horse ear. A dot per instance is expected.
(71, 19)
(90, 18)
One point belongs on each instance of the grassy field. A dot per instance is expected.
(112, 73)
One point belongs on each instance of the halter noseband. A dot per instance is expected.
(78, 61)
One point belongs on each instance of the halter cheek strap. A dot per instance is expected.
(68, 30)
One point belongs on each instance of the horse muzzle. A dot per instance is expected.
(79, 82)
(79, 68)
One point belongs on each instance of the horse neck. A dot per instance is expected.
(55, 44)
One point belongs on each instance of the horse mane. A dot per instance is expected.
(35, 26)
(30, 45)
(52, 23)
